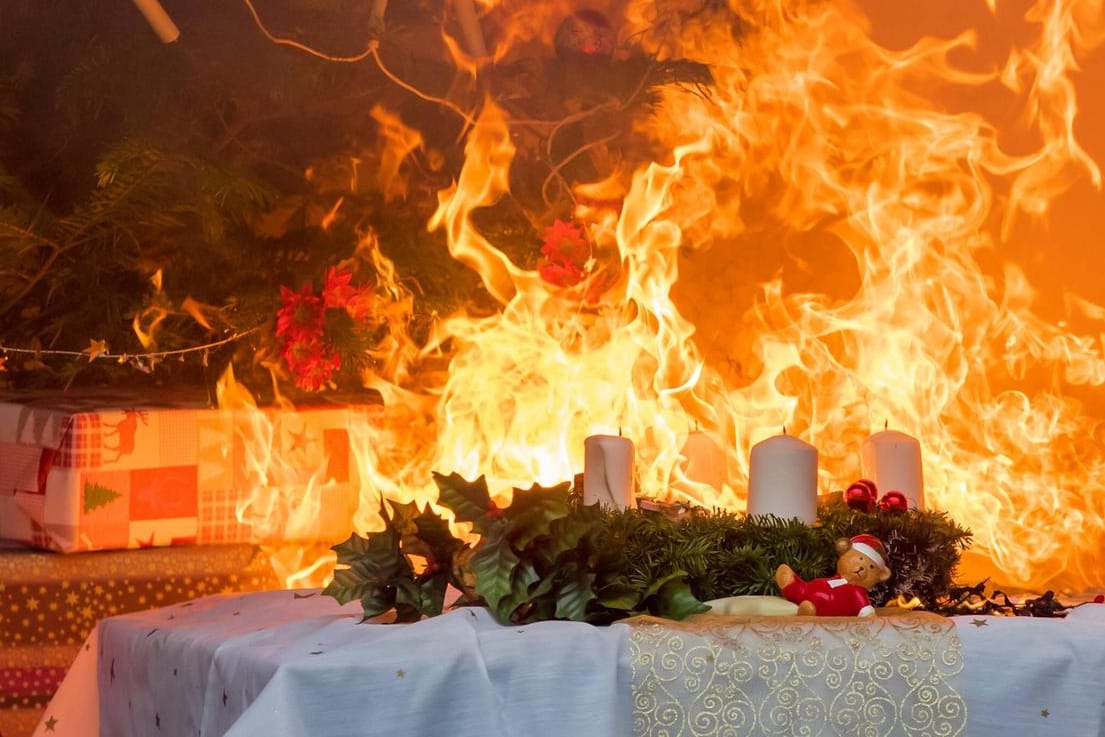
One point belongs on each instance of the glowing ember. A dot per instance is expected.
(818, 142)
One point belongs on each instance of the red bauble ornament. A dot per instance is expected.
(585, 34)
(893, 501)
(862, 496)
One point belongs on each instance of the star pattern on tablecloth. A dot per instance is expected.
(979, 622)
(51, 723)
(1045, 713)
(400, 673)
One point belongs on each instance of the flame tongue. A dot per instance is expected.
(805, 254)
(821, 130)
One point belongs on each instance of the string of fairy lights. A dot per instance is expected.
(163, 25)
(143, 361)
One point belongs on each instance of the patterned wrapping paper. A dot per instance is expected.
(105, 471)
(49, 603)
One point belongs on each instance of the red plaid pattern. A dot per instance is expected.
(40, 538)
(83, 444)
(218, 518)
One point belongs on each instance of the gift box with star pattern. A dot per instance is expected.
(105, 471)
(49, 603)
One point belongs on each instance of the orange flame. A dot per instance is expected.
(819, 248)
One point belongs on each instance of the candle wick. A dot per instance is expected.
(619, 431)
(696, 427)
(886, 425)
(784, 429)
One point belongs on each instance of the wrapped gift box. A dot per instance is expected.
(49, 603)
(103, 471)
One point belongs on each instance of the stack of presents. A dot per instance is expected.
(110, 504)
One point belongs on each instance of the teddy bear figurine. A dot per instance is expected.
(860, 565)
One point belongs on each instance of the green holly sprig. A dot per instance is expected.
(545, 556)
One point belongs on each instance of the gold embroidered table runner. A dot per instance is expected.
(723, 676)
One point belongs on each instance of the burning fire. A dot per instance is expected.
(817, 142)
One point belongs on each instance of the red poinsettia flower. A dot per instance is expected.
(312, 362)
(561, 275)
(564, 242)
(317, 371)
(337, 290)
(300, 314)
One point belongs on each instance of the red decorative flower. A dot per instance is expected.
(567, 251)
(300, 314)
(313, 374)
(313, 363)
(308, 349)
(561, 275)
(337, 290)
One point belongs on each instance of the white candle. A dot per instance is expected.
(159, 20)
(470, 28)
(703, 460)
(782, 479)
(892, 460)
(608, 471)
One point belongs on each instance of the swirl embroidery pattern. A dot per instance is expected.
(893, 676)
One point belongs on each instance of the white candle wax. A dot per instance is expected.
(782, 479)
(703, 460)
(608, 471)
(159, 20)
(892, 460)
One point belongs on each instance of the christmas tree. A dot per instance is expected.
(154, 198)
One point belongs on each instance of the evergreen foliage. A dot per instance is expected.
(215, 160)
(546, 556)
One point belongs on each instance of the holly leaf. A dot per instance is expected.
(382, 557)
(469, 500)
(350, 585)
(533, 510)
(675, 600)
(402, 518)
(494, 565)
(428, 535)
(369, 569)
(566, 533)
(521, 579)
(431, 592)
(353, 549)
(377, 602)
(619, 594)
(434, 532)
(574, 596)
(408, 601)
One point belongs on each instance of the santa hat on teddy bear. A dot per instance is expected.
(872, 547)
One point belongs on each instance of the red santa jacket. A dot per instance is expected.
(831, 597)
